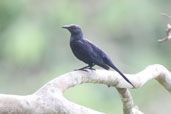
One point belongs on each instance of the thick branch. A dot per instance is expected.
(128, 103)
(49, 99)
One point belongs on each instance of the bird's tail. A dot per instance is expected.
(108, 61)
(122, 75)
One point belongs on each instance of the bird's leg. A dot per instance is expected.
(91, 67)
(83, 68)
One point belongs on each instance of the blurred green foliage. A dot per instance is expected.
(35, 49)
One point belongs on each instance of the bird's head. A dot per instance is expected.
(74, 29)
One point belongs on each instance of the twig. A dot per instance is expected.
(166, 15)
(168, 30)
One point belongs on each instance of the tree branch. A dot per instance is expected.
(49, 99)
(128, 103)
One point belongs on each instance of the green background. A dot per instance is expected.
(34, 49)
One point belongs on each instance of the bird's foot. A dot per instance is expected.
(91, 68)
(85, 68)
(81, 69)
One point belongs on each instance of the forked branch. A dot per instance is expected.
(168, 30)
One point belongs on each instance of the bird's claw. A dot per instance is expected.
(81, 70)
(91, 68)
(85, 69)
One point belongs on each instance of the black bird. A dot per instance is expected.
(89, 53)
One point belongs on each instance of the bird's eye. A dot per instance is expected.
(74, 27)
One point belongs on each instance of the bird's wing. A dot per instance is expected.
(96, 49)
(86, 51)
(105, 58)
(96, 52)
(82, 50)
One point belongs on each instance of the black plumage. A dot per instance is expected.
(89, 53)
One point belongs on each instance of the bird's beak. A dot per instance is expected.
(66, 27)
